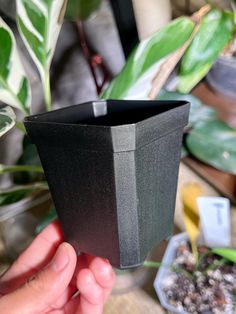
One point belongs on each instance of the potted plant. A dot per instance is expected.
(194, 278)
(184, 286)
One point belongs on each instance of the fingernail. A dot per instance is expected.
(61, 259)
(106, 261)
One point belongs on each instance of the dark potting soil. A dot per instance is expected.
(209, 287)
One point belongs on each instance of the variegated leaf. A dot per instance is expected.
(39, 23)
(135, 80)
(215, 31)
(14, 85)
(7, 119)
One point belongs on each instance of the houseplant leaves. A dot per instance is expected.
(229, 254)
(39, 23)
(14, 85)
(17, 192)
(214, 33)
(135, 80)
(7, 119)
(81, 9)
(214, 142)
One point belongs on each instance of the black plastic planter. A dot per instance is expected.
(112, 169)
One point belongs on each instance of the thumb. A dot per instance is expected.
(45, 288)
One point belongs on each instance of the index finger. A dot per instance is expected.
(35, 257)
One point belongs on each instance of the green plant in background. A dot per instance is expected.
(39, 23)
(81, 9)
(7, 120)
(14, 85)
(198, 40)
(215, 31)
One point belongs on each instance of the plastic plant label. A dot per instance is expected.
(215, 221)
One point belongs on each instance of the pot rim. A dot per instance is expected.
(166, 260)
(227, 60)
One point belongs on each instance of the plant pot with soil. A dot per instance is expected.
(186, 287)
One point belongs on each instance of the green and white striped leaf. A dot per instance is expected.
(14, 85)
(39, 23)
(135, 80)
(7, 119)
(215, 31)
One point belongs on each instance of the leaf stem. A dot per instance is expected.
(215, 265)
(8, 88)
(47, 92)
(19, 168)
(20, 126)
(171, 267)
(34, 186)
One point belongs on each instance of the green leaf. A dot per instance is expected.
(229, 254)
(39, 23)
(34, 43)
(81, 9)
(16, 193)
(135, 80)
(233, 4)
(29, 157)
(198, 111)
(7, 119)
(215, 31)
(36, 16)
(13, 197)
(214, 142)
(20, 168)
(5, 52)
(50, 217)
(14, 85)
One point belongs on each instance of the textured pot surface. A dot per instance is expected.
(112, 169)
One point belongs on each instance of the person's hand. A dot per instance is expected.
(49, 278)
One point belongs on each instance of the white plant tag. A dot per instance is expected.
(215, 221)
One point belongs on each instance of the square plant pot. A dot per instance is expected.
(112, 169)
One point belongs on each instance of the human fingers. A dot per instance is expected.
(34, 258)
(104, 274)
(38, 294)
(91, 293)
